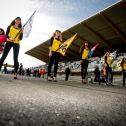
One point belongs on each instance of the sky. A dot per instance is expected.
(50, 15)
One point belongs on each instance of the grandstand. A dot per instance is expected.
(117, 58)
(107, 27)
(117, 62)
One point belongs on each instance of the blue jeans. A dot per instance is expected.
(109, 74)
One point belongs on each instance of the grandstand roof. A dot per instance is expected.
(108, 28)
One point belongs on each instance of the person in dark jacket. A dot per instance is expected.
(20, 69)
(28, 72)
(97, 75)
(5, 68)
(67, 73)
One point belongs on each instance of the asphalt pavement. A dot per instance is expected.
(31, 101)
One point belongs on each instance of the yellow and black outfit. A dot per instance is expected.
(108, 61)
(85, 61)
(55, 45)
(123, 64)
(12, 33)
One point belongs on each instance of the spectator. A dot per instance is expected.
(5, 68)
(67, 73)
(97, 75)
(39, 73)
(103, 73)
(20, 69)
(43, 72)
(28, 72)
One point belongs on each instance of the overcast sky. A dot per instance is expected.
(50, 15)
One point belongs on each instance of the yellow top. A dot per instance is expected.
(109, 60)
(124, 66)
(85, 54)
(12, 34)
(56, 44)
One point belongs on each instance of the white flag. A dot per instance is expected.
(28, 26)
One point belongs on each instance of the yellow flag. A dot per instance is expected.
(66, 44)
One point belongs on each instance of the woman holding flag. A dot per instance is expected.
(54, 54)
(86, 54)
(14, 34)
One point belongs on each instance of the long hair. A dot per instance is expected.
(3, 33)
(83, 47)
(13, 22)
(60, 37)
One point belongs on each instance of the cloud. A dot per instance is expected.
(70, 10)
(61, 7)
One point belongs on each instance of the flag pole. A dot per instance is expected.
(63, 45)
(29, 18)
(25, 24)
